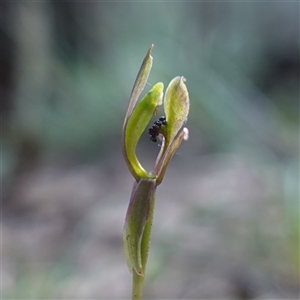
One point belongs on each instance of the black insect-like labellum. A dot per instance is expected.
(153, 131)
(153, 138)
(163, 120)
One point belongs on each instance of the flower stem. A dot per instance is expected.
(137, 286)
(137, 280)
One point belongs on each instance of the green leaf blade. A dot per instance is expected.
(138, 213)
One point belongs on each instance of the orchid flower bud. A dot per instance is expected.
(138, 223)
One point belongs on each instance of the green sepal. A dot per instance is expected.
(138, 213)
(139, 84)
(161, 167)
(136, 125)
(176, 106)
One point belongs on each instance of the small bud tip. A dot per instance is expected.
(186, 134)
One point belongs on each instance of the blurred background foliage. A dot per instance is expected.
(227, 216)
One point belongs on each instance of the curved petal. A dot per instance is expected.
(136, 125)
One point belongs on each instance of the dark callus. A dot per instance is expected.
(163, 120)
(154, 129)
